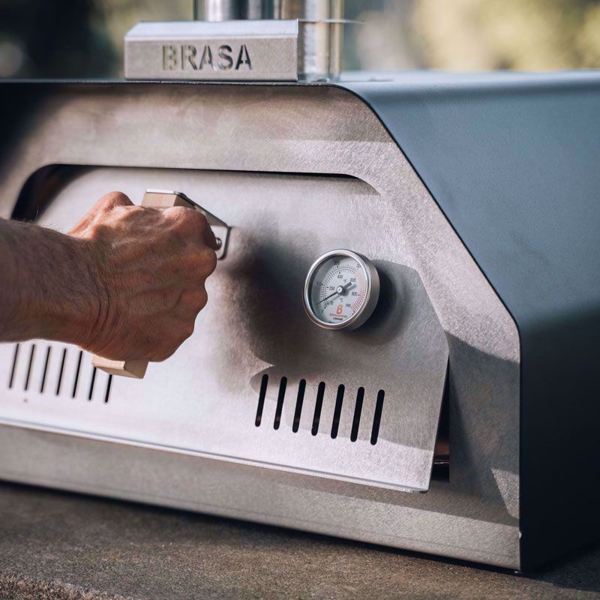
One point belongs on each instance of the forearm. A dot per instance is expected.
(48, 287)
(126, 283)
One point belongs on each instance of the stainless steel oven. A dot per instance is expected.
(459, 215)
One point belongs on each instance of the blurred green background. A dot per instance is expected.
(84, 38)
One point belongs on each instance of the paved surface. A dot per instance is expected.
(56, 545)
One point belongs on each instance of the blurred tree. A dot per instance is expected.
(122, 15)
(509, 34)
(61, 38)
(74, 38)
(387, 38)
(84, 38)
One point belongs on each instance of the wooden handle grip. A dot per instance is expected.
(137, 368)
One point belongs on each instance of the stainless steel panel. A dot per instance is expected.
(231, 50)
(206, 397)
(273, 497)
(308, 130)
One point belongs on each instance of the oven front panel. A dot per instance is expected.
(258, 382)
(240, 144)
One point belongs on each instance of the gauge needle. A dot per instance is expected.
(339, 290)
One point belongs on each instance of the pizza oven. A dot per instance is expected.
(401, 339)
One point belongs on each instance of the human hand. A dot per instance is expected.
(150, 268)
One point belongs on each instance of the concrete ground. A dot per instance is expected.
(55, 545)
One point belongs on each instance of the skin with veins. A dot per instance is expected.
(126, 283)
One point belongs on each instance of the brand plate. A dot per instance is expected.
(229, 50)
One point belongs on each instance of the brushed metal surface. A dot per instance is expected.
(230, 50)
(273, 497)
(320, 25)
(205, 397)
(220, 10)
(299, 130)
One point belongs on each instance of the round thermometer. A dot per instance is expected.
(341, 290)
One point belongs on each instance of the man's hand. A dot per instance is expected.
(127, 282)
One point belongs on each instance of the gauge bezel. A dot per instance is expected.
(372, 293)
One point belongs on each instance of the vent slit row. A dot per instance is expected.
(14, 366)
(29, 367)
(357, 412)
(261, 399)
(108, 384)
(299, 402)
(93, 380)
(377, 417)
(318, 408)
(61, 371)
(45, 372)
(339, 401)
(76, 380)
(280, 399)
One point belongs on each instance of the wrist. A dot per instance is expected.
(53, 285)
(87, 313)
(72, 306)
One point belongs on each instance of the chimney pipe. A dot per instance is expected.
(321, 25)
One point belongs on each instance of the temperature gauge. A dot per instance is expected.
(341, 290)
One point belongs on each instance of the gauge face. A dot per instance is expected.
(341, 290)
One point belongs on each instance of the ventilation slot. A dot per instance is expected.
(299, 402)
(61, 372)
(29, 367)
(76, 381)
(45, 373)
(339, 401)
(261, 399)
(280, 399)
(55, 373)
(14, 366)
(357, 413)
(108, 386)
(92, 382)
(377, 417)
(318, 408)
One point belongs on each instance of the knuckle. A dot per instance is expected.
(133, 211)
(168, 297)
(187, 221)
(97, 231)
(207, 261)
(202, 300)
(199, 263)
(194, 302)
(180, 218)
(114, 199)
(164, 348)
(176, 213)
(162, 354)
(187, 331)
(198, 220)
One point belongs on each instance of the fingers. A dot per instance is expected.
(97, 212)
(192, 302)
(154, 264)
(114, 199)
(193, 223)
(209, 238)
